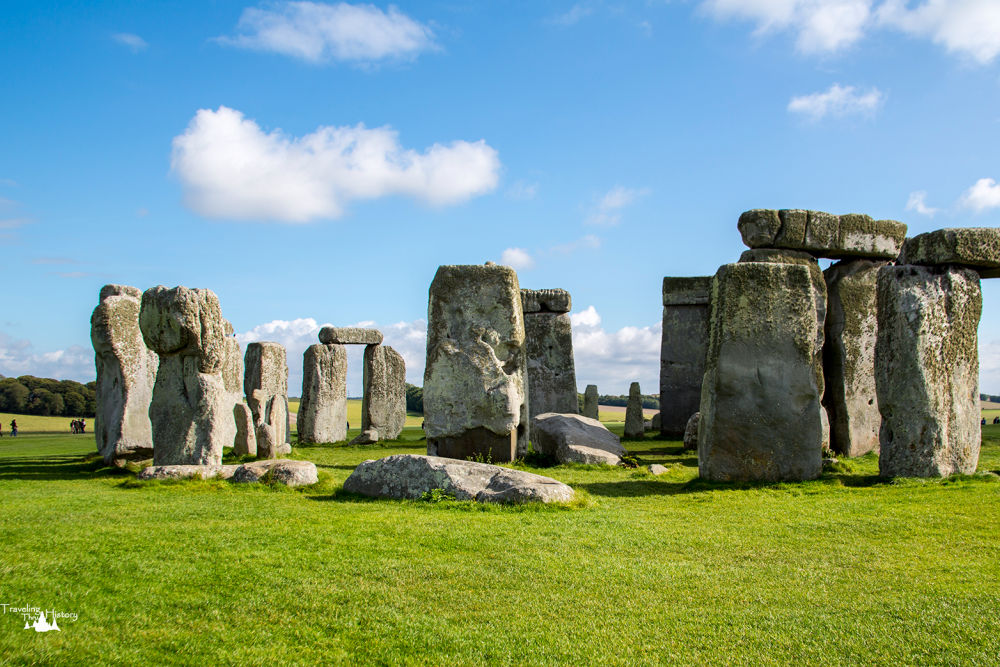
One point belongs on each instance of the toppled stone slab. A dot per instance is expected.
(551, 367)
(691, 431)
(573, 438)
(265, 381)
(408, 476)
(977, 248)
(322, 415)
(635, 423)
(590, 407)
(822, 234)
(126, 372)
(684, 343)
(546, 301)
(283, 471)
(349, 336)
(383, 406)
(927, 370)
(188, 472)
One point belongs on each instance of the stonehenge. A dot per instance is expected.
(126, 371)
(549, 340)
(635, 422)
(590, 408)
(383, 405)
(265, 382)
(683, 347)
(475, 384)
(322, 415)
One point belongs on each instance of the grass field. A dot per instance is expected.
(845, 569)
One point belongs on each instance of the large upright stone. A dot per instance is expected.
(322, 413)
(475, 389)
(126, 371)
(682, 350)
(761, 412)
(927, 370)
(190, 413)
(849, 356)
(822, 234)
(265, 382)
(232, 377)
(383, 408)
(977, 248)
(549, 336)
(634, 420)
(590, 402)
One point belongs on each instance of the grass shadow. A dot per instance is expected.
(58, 467)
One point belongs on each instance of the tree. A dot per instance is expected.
(414, 399)
(13, 395)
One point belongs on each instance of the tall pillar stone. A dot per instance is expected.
(265, 382)
(590, 400)
(232, 377)
(322, 415)
(475, 389)
(549, 338)
(682, 350)
(383, 408)
(126, 371)
(190, 414)
(927, 370)
(635, 421)
(761, 413)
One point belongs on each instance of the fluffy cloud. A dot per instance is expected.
(970, 28)
(133, 42)
(918, 203)
(318, 32)
(230, 168)
(838, 101)
(989, 367)
(821, 25)
(982, 196)
(606, 211)
(18, 357)
(613, 360)
(517, 258)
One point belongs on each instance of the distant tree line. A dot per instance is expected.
(28, 395)
(414, 398)
(988, 397)
(651, 401)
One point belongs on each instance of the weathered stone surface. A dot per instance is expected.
(927, 370)
(573, 438)
(977, 248)
(784, 256)
(232, 375)
(265, 381)
(691, 431)
(349, 336)
(761, 416)
(822, 234)
(322, 415)
(683, 346)
(190, 414)
(408, 476)
(187, 472)
(383, 408)
(657, 469)
(634, 421)
(546, 301)
(551, 369)
(590, 407)
(245, 441)
(283, 471)
(475, 389)
(849, 356)
(654, 423)
(126, 371)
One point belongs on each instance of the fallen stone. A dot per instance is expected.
(657, 469)
(187, 472)
(265, 382)
(977, 248)
(383, 407)
(572, 438)
(126, 372)
(691, 431)
(590, 407)
(546, 301)
(245, 441)
(822, 234)
(635, 424)
(349, 336)
(683, 346)
(283, 471)
(408, 476)
(322, 415)
(551, 368)
(927, 370)
(475, 389)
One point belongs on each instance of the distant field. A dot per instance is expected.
(353, 413)
(36, 424)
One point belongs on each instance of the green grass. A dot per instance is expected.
(845, 569)
(35, 424)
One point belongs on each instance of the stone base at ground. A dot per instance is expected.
(188, 472)
(477, 443)
(283, 471)
(408, 476)
(572, 438)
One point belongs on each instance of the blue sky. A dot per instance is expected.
(314, 163)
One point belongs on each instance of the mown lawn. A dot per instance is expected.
(846, 569)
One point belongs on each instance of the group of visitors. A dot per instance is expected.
(78, 426)
(13, 429)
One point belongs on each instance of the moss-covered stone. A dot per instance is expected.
(974, 247)
(822, 234)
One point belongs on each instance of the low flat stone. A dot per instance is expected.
(284, 471)
(573, 438)
(188, 472)
(977, 248)
(409, 476)
(546, 301)
(822, 234)
(349, 336)
(657, 469)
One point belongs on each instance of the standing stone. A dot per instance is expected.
(691, 431)
(475, 390)
(245, 442)
(383, 408)
(232, 377)
(549, 338)
(590, 408)
(849, 357)
(126, 371)
(634, 420)
(927, 370)
(682, 350)
(322, 413)
(265, 382)
(761, 412)
(190, 413)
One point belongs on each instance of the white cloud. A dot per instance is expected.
(838, 101)
(607, 209)
(918, 203)
(134, 42)
(18, 357)
(982, 196)
(989, 367)
(613, 360)
(522, 191)
(232, 169)
(517, 258)
(318, 32)
(968, 27)
(821, 25)
(590, 241)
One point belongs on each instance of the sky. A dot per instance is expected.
(314, 163)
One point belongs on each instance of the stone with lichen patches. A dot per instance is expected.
(590, 407)
(822, 234)
(383, 407)
(322, 415)
(635, 427)
(265, 381)
(349, 336)
(683, 344)
(977, 248)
